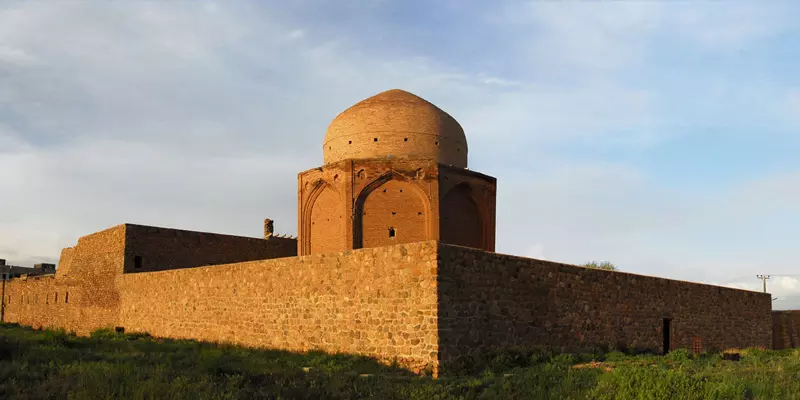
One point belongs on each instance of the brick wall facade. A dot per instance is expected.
(785, 329)
(356, 204)
(163, 248)
(489, 300)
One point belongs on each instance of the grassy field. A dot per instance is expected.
(53, 364)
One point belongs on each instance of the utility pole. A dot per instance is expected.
(764, 280)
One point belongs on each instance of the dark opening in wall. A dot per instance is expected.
(137, 262)
(119, 329)
(391, 233)
(375, 139)
(55, 298)
(66, 297)
(349, 142)
(405, 139)
(667, 333)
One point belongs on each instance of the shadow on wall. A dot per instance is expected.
(785, 329)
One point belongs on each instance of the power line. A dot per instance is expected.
(764, 280)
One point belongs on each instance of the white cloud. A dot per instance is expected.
(536, 251)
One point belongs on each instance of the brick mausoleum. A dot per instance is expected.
(394, 259)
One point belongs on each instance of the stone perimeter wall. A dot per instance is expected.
(489, 300)
(785, 329)
(426, 304)
(378, 302)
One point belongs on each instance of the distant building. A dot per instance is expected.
(8, 272)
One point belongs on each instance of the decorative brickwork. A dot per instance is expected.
(785, 329)
(393, 202)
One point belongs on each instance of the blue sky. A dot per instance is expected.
(660, 136)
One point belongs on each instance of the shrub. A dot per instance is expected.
(679, 355)
(601, 265)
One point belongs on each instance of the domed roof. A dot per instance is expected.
(396, 124)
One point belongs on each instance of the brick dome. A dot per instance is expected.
(396, 124)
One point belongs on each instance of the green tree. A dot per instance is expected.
(601, 265)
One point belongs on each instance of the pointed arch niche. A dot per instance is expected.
(324, 221)
(462, 218)
(391, 210)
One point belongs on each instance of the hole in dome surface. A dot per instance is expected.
(405, 139)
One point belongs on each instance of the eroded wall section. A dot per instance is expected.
(82, 297)
(379, 302)
(490, 300)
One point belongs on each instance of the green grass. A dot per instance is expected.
(107, 365)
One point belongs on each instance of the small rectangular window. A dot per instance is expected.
(55, 298)
(66, 297)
